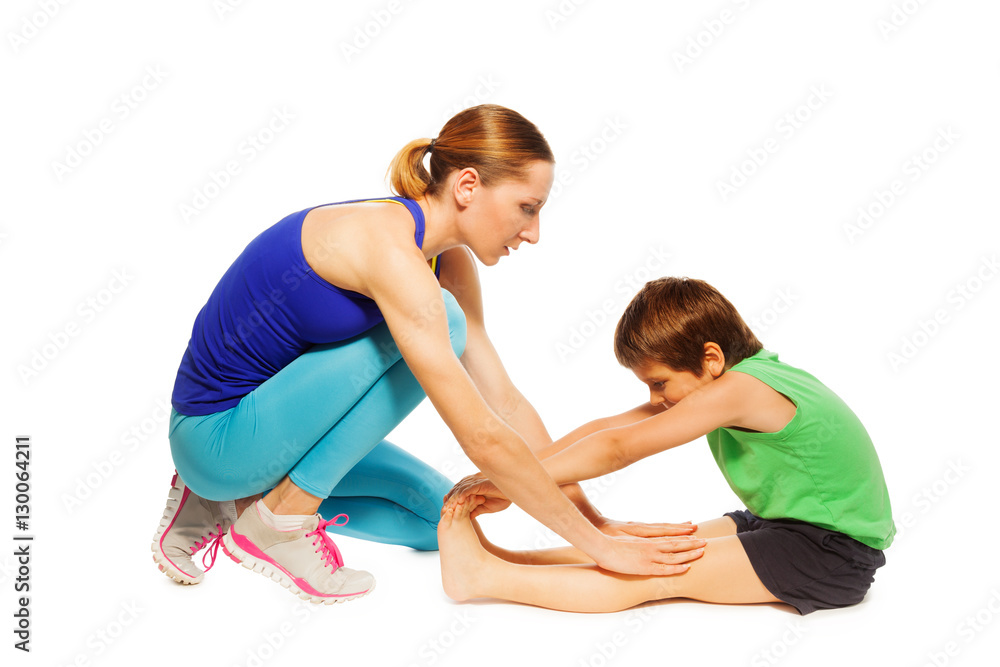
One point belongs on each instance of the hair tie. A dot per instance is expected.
(431, 145)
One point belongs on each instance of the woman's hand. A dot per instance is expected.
(479, 485)
(614, 528)
(651, 555)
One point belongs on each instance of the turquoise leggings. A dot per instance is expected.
(322, 421)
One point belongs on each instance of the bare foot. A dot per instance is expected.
(463, 560)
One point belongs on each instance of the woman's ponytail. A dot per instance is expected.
(407, 175)
(497, 142)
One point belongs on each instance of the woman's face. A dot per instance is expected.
(505, 215)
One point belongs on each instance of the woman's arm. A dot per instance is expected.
(604, 451)
(410, 300)
(483, 363)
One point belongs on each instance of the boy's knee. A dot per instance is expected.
(456, 322)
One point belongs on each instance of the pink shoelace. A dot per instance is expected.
(324, 545)
(213, 541)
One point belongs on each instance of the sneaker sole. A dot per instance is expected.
(174, 498)
(278, 574)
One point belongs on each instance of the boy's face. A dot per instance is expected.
(667, 386)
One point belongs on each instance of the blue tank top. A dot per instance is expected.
(269, 308)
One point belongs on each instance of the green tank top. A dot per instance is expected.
(821, 467)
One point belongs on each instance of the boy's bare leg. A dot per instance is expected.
(556, 556)
(722, 575)
(721, 527)
(568, 555)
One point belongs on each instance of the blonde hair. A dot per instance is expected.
(497, 142)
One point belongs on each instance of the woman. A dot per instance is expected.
(326, 332)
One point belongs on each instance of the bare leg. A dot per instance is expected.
(722, 575)
(556, 556)
(712, 528)
(243, 503)
(287, 498)
(720, 527)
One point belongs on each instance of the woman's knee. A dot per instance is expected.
(456, 322)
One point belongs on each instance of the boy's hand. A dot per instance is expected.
(638, 529)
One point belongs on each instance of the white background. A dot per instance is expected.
(643, 140)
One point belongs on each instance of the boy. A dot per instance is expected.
(818, 512)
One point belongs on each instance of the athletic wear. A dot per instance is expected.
(269, 308)
(281, 521)
(821, 468)
(305, 561)
(321, 417)
(189, 523)
(804, 565)
(314, 420)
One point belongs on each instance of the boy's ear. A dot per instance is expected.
(714, 361)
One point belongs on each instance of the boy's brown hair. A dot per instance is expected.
(670, 320)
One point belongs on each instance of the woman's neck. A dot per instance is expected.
(441, 230)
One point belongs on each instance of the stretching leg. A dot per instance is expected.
(571, 555)
(722, 575)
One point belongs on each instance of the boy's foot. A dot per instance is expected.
(189, 523)
(463, 558)
(305, 561)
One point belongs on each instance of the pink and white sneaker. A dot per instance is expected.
(189, 524)
(305, 561)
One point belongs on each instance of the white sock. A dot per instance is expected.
(281, 521)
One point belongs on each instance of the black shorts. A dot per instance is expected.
(804, 565)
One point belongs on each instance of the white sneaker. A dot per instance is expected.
(189, 523)
(305, 561)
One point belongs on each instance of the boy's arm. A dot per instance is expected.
(545, 450)
(632, 416)
(712, 406)
(702, 411)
